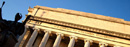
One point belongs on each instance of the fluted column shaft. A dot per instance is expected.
(32, 38)
(72, 41)
(21, 37)
(58, 40)
(44, 39)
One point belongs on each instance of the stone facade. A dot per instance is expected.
(57, 27)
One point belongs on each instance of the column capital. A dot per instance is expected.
(73, 37)
(36, 29)
(88, 40)
(117, 46)
(103, 43)
(60, 34)
(47, 31)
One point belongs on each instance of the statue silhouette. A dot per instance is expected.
(1, 10)
(9, 30)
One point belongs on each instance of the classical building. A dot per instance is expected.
(57, 27)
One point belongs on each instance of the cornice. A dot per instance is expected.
(30, 9)
(84, 14)
(91, 29)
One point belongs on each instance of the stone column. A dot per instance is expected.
(45, 38)
(21, 37)
(87, 42)
(58, 40)
(32, 38)
(72, 41)
(102, 44)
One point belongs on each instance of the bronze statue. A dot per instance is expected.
(9, 30)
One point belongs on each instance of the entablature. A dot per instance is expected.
(81, 34)
(81, 27)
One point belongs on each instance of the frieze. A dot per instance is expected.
(82, 27)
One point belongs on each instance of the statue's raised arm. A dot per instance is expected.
(1, 10)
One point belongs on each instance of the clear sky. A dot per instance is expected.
(112, 8)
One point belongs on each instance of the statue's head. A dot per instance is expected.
(18, 16)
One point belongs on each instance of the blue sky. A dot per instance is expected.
(112, 8)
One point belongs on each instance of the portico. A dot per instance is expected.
(60, 28)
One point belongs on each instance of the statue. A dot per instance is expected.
(9, 30)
